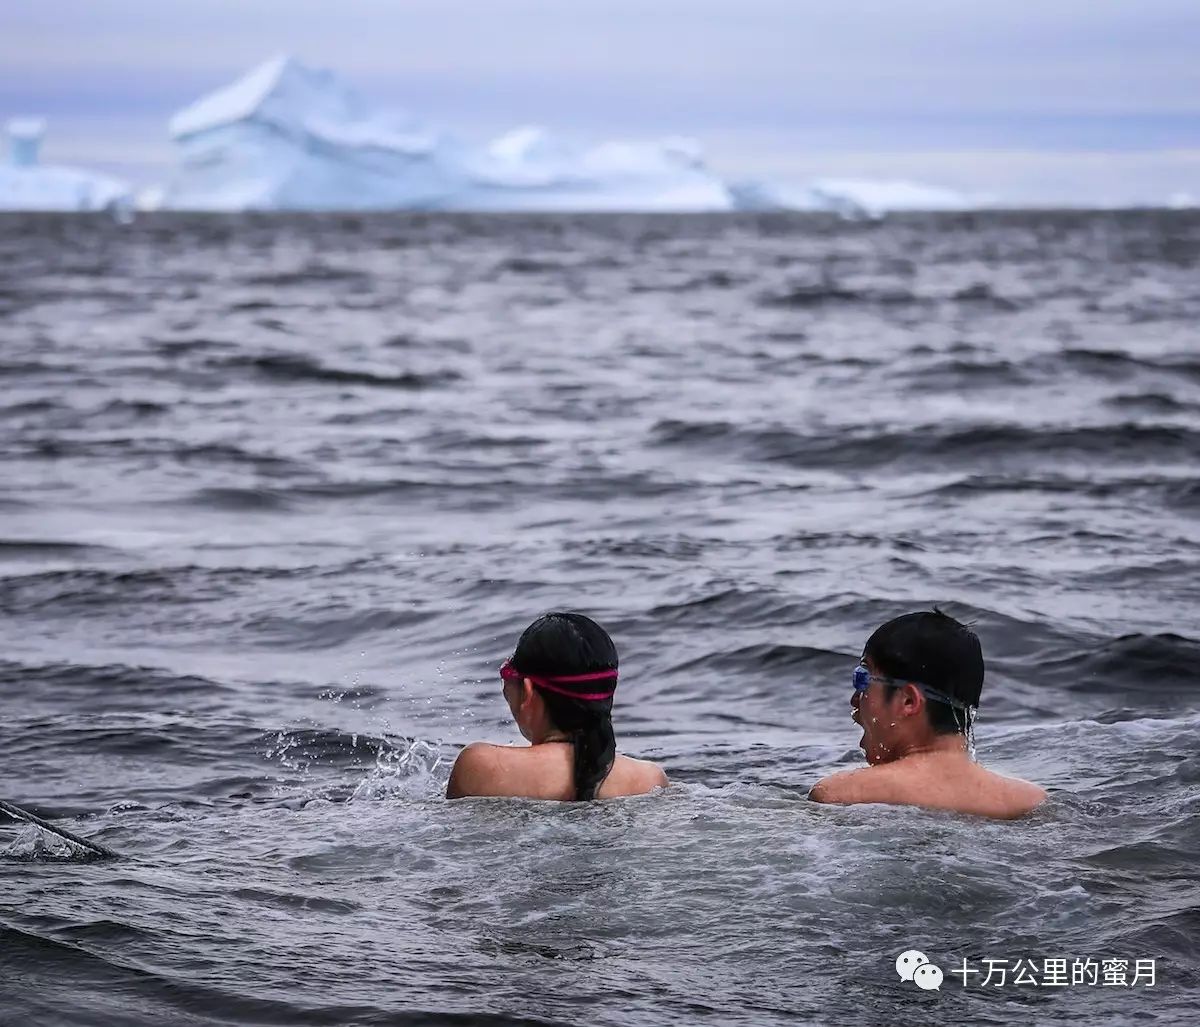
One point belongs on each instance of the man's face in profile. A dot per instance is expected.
(873, 711)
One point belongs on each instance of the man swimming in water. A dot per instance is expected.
(559, 686)
(915, 695)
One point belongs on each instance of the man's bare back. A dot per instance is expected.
(936, 780)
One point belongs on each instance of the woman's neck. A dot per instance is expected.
(550, 734)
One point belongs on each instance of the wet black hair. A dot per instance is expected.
(559, 644)
(932, 648)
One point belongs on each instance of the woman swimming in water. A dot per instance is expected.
(559, 685)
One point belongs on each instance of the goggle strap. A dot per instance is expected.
(553, 684)
(863, 677)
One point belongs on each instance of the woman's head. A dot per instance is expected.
(562, 675)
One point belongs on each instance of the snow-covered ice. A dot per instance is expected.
(529, 169)
(879, 197)
(26, 184)
(287, 136)
(290, 137)
(852, 197)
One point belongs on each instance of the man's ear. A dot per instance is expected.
(526, 692)
(913, 699)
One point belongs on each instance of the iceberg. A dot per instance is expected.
(529, 169)
(26, 184)
(852, 197)
(290, 137)
(753, 195)
(287, 136)
(881, 197)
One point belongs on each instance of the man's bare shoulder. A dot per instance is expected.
(975, 789)
(1015, 797)
(980, 792)
(865, 784)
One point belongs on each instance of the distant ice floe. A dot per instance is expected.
(879, 197)
(26, 184)
(853, 197)
(529, 169)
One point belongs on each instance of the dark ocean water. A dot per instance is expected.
(277, 494)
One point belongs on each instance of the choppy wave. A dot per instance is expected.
(292, 367)
(1012, 444)
(280, 492)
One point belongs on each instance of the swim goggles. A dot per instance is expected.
(863, 678)
(571, 685)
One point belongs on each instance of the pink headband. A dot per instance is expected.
(554, 684)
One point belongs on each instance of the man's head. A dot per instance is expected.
(926, 675)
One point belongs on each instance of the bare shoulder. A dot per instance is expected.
(649, 772)
(541, 772)
(480, 769)
(1018, 797)
(631, 776)
(866, 784)
(976, 791)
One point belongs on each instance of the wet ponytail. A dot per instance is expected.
(561, 645)
(589, 726)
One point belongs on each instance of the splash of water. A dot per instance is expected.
(405, 771)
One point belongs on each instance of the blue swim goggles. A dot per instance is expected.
(863, 678)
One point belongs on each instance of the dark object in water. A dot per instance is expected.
(59, 832)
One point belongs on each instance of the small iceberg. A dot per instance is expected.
(529, 169)
(27, 184)
(851, 197)
(882, 197)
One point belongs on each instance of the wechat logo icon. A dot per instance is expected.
(914, 966)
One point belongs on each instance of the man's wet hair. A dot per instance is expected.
(932, 648)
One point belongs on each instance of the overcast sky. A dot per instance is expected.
(1015, 97)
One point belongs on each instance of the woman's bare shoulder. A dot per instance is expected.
(486, 769)
(631, 776)
(482, 768)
